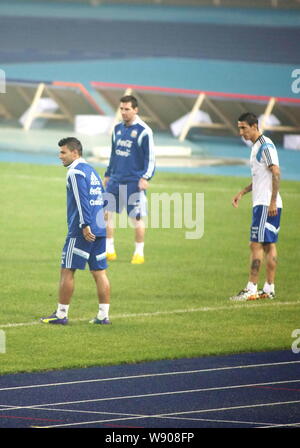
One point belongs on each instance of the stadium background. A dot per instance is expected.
(231, 47)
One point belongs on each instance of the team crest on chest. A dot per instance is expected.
(133, 134)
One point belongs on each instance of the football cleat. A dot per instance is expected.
(53, 319)
(110, 256)
(104, 321)
(137, 259)
(244, 295)
(266, 295)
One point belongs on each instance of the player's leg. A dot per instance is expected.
(112, 199)
(259, 217)
(65, 292)
(73, 257)
(66, 286)
(103, 293)
(250, 292)
(256, 260)
(139, 241)
(268, 291)
(271, 232)
(75, 254)
(137, 210)
(110, 241)
(271, 262)
(98, 266)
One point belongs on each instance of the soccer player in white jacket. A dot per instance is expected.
(267, 206)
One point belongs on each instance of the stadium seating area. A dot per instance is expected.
(223, 3)
(184, 68)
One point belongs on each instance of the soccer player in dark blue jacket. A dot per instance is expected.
(131, 166)
(86, 237)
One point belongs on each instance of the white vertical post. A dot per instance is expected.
(190, 121)
(267, 113)
(32, 110)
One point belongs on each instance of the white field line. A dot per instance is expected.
(204, 309)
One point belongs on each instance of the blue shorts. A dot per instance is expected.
(264, 228)
(77, 252)
(128, 196)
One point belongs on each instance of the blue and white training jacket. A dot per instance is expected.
(84, 199)
(132, 154)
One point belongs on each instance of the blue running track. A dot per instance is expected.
(256, 390)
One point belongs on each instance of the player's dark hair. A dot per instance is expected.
(249, 118)
(72, 144)
(130, 99)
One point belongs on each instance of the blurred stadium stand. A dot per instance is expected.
(173, 111)
(222, 3)
(163, 108)
(28, 101)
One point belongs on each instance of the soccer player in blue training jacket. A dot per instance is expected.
(266, 211)
(86, 237)
(131, 166)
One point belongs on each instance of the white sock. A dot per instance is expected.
(251, 287)
(110, 246)
(269, 287)
(62, 311)
(103, 311)
(139, 249)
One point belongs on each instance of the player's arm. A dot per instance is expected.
(111, 161)
(240, 194)
(147, 145)
(81, 195)
(275, 170)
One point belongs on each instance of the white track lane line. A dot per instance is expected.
(154, 375)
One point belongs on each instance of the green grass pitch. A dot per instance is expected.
(175, 305)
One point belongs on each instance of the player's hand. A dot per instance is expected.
(88, 235)
(143, 184)
(105, 181)
(236, 199)
(272, 209)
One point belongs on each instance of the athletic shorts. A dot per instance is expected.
(128, 196)
(77, 252)
(264, 228)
